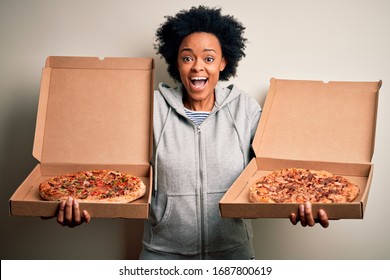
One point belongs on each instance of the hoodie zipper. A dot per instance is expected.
(201, 198)
(201, 186)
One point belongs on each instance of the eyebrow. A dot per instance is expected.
(204, 50)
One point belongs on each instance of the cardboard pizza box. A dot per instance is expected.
(315, 125)
(92, 114)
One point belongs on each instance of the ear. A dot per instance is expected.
(223, 64)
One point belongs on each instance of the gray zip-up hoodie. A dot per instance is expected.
(193, 168)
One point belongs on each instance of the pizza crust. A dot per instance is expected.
(297, 185)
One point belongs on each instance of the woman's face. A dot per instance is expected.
(200, 62)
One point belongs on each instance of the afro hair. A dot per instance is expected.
(226, 28)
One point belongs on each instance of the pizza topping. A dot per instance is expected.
(301, 185)
(96, 185)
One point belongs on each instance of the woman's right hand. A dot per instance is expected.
(69, 213)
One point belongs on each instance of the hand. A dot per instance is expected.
(306, 216)
(69, 213)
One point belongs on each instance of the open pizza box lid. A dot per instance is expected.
(315, 125)
(92, 114)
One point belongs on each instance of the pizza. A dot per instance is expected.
(93, 186)
(298, 185)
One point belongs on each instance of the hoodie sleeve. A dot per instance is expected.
(253, 113)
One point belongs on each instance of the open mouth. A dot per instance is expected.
(198, 82)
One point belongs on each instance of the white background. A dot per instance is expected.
(197, 270)
(320, 40)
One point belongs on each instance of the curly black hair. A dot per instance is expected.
(226, 28)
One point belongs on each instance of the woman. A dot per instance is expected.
(202, 142)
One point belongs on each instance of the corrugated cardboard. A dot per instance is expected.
(92, 114)
(315, 125)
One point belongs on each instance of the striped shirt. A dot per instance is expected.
(197, 117)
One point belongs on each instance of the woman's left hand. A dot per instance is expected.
(306, 216)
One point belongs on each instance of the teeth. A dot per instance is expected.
(198, 78)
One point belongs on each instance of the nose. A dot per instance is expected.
(197, 66)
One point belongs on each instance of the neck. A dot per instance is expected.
(205, 105)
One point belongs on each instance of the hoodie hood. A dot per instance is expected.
(174, 96)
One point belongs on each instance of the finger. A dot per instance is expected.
(302, 216)
(309, 215)
(60, 215)
(86, 216)
(293, 219)
(69, 211)
(76, 212)
(323, 217)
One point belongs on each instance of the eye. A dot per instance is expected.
(187, 58)
(209, 59)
